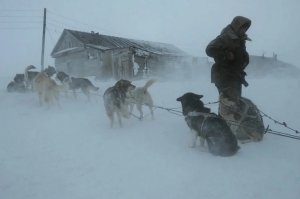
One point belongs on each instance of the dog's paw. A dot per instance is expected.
(203, 149)
(192, 145)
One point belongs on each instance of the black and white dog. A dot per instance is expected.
(74, 83)
(116, 100)
(208, 126)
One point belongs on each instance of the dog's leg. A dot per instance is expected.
(56, 96)
(139, 108)
(202, 141)
(119, 119)
(151, 111)
(74, 94)
(111, 119)
(40, 95)
(87, 93)
(131, 105)
(194, 141)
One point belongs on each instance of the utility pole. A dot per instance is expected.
(43, 41)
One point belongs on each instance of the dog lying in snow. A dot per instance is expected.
(208, 126)
(47, 89)
(74, 83)
(116, 100)
(140, 96)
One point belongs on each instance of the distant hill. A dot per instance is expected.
(262, 66)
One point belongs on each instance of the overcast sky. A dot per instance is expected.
(188, 24)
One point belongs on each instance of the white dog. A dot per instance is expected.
(140, 96)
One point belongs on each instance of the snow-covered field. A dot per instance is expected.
(72, 153)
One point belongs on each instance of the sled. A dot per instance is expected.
(245, 121)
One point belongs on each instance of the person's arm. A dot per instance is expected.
(216, 50)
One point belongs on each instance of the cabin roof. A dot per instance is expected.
(106, 42)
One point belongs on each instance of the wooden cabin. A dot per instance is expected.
(85, 54)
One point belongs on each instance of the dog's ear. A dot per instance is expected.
(179, 99)
(196, 96)
(199, 96)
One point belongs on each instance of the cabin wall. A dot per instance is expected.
(81, 64)
(69, 41)
(117, 64)
(122, 64)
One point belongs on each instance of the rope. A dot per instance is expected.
(267, 130)
(277, 122)
(282, 134)
(171, 110)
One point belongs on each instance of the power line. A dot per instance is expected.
(17, 16)
(19, 10)
(69, 20)
(19, 28)
(26, 22)
(50, 36)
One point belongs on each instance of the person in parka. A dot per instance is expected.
(231, 58)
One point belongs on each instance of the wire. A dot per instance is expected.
(19, 28)
(19, 10)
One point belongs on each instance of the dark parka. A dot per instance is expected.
(228, 73)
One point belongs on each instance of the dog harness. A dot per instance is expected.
(205, 115)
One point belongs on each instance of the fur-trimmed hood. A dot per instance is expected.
(233, 29)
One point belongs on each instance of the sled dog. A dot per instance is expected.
(47, 89)
(75, 83)
(116, 100)
(140, 96)
(208, 126)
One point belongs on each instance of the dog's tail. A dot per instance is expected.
(148, 84)
(94, 88)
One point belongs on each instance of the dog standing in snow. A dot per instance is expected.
(47, 89)
(140, 96)
(75, 83)
(116, 100)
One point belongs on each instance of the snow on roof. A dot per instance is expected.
(67, 50)
(105, 42)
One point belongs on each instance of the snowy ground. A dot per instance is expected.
(72, 153)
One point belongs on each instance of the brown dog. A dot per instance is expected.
(47, 89)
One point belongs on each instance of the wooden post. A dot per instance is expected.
(43, 41)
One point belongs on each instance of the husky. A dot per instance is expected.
(208, 126)
(74, 83)
(140, 96)
(116, 100)
(17, 85)
(47, 89)
(23, 82)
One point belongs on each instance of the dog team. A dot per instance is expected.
(47, 87)
(120, 99)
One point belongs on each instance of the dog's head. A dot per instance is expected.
(191, 102)
(19, 78)
(30, 67)
(62, 77)
(50, 71)
(124, 86)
